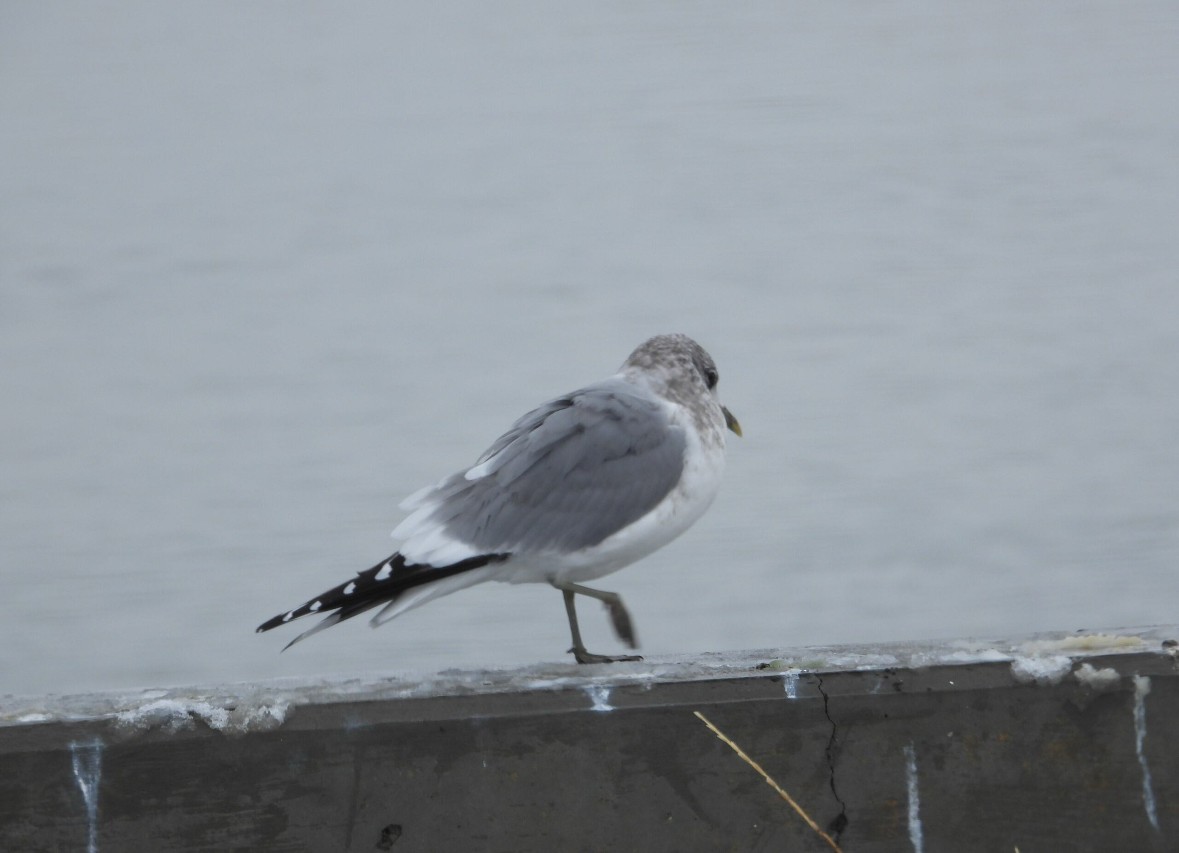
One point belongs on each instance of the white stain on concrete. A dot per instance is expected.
(1099, 680)
(916, 835)
(87, 763)
(599, 694)
(1044, 670)
(1141, 691)
(183, 714)
(790, 682)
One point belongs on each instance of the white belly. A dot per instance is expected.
(682, 507)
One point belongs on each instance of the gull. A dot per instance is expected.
(576, 489)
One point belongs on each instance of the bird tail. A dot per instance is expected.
(384, 583)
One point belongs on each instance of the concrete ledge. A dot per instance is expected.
(1048, 743)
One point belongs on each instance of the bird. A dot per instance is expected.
(580, 487)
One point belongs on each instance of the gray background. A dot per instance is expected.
(267, 269)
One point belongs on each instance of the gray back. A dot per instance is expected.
(568, 474)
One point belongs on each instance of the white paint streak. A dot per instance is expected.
(1141, 691)
(87, 763)
(915, 832)
(599, 694)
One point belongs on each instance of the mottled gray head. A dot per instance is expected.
(681, 370)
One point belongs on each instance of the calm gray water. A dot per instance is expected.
(265, 270)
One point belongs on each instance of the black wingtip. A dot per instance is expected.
(273, 622)
(383, 583)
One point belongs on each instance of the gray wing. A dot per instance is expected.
(566, 475)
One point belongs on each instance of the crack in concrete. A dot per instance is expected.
(838, 823)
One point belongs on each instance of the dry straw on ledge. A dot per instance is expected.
(769, 781)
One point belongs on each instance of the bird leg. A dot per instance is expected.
(618, 617)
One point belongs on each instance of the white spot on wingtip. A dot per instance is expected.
(287, 618)
(386, 571)
(916, 834)
(1141, 690)
(351, 588)
(599, 694)
(87, 763)
(315, 605)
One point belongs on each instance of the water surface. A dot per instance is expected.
(265, 271)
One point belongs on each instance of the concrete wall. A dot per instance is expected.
(1050, 743)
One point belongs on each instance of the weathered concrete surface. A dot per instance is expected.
(1065, 742)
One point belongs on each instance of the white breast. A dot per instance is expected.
(704, 463)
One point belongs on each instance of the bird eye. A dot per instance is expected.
(711, 377)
